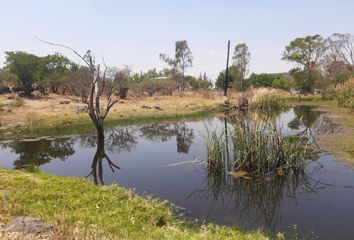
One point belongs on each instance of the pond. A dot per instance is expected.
(166, 160)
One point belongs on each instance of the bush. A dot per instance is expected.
(167, 87)
(153, 86)
(343, 93)
(136, 90)
(341, 78)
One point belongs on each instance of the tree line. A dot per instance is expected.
(58, 74)
(319, 62)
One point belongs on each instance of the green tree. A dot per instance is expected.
(183, 59)
(282, 83)
(307, 52)
(275, 80)
(140, 77)
(25, 66)
(241, 59)
(54, 71)
(232, 76)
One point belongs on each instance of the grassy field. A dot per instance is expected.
(46, 116)
(78, 208)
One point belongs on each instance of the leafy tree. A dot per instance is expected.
(282, 83)
(182, 60)
(241, 59)
(307, 52)
(54, 71)
(150, 74)
(201, 82)
(232, 76)
(25, 66)
(275, 80)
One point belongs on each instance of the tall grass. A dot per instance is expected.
(343, 93)
(257, 148)
(216, 148)
(268, 102)
(261, 148)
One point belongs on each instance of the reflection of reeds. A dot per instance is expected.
(257, 201)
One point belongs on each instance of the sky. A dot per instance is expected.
(135, 32)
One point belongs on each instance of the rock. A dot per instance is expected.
(27, 224)
(147, 107)
(37, 94)
(64, 102)
(158, 108)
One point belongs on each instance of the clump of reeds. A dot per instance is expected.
(267, 102)
(216, 148)
(258, 148)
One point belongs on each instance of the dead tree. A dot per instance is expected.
(98, 86)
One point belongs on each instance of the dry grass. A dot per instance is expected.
(38, 110)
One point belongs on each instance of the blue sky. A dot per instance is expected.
(135, 32)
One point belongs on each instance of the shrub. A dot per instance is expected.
(343, 93)
(167, 87)
(151, 86)
(136, 90)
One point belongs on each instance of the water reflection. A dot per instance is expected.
(184, 136)
(40, 152)
(158, 132)
(97, 163)
(164, 132)
(256, 201)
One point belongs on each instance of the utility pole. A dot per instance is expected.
(227, 69)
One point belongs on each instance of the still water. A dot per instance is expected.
(166, 160)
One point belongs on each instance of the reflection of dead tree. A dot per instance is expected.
(97, 167)
(116, 140)
(184, 137)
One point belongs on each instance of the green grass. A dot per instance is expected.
(76, 207)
